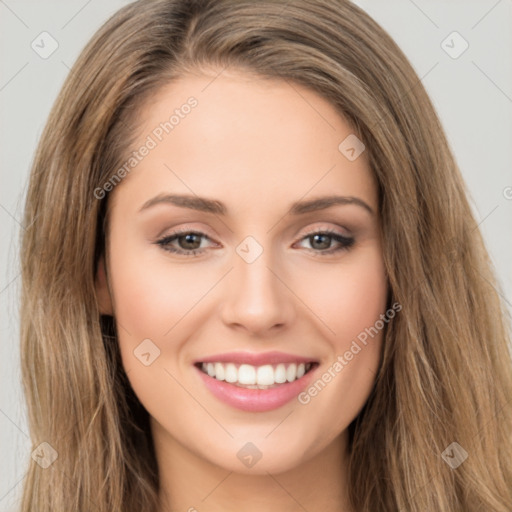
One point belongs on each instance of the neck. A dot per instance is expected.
(189, 483)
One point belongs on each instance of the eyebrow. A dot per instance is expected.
(216, 207)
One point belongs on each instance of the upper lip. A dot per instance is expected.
(255, 359)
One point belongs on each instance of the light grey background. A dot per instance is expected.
(472, 94)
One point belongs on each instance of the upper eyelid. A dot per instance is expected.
(205, 232)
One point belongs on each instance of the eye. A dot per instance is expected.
(189, 243)
(320, 241)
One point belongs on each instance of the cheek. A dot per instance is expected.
(152, 296)
(348, 296)
(350, 301)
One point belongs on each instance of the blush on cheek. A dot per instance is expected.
(151, 299)
(346, 298)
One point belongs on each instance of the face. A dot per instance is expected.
(239, 294)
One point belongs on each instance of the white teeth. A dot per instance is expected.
(280, 374)
(256, 377)
(265, 375)
(291, 372)
(219, 371)
(231, 373)
(246, 374)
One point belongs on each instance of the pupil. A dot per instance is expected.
(189, 239)
(324, 245)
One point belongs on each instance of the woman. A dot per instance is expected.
(251, 277)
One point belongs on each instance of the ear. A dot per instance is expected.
(102, 290)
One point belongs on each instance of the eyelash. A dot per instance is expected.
(346, 242)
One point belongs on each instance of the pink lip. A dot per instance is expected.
(255, 400)
(255, 359)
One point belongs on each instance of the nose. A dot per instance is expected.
(257, 300)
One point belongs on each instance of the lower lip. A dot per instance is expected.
(255, 400)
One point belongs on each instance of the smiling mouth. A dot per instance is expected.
(256, 377)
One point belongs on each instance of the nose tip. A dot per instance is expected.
(256, 300)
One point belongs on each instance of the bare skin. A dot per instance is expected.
(257, 146)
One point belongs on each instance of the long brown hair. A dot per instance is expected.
(446, 371)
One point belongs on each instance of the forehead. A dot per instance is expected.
(256, 142)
